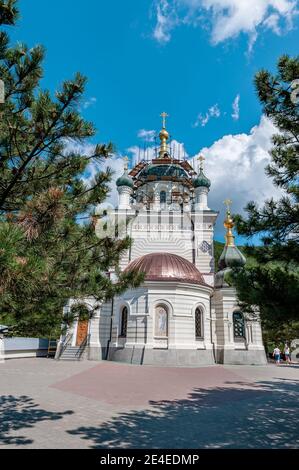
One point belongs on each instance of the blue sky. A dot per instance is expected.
(182, 56)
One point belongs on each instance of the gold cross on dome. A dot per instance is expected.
(201, 159)
(228, 203)
(126, 162)
(164, 116)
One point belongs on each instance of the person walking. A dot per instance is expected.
(287, 354)
(276, 354)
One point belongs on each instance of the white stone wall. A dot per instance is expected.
(230, 349)
(124, 197)
(181, 301)
(224, 302)
(201, 201)
(165, 228)
(204, 243)
(189, 235)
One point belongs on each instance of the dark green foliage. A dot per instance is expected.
(47, 253)
(278, 334)
(272, 281)
(218, 249)
(9, 13)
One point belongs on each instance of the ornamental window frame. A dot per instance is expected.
(124, 322)
(239, 326)
(198, 323)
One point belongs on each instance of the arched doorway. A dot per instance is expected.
(81, 313)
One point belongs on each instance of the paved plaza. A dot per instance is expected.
(49, 404)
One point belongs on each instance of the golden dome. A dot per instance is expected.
(166, 267)
(229, 223)
(164, 134)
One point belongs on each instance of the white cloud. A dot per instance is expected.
(231, 17)
(115, 163)
(228, 18)
(213, 112)
(166, 20)
(178, 150)
(236, 108)
(147, 136)
(272, 22)
(138, 154)
(88, 103)
(236, 166)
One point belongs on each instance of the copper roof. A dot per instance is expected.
(166, 267)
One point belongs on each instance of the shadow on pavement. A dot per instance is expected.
(17, 413)
(262, 415)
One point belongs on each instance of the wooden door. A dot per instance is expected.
(82, 331)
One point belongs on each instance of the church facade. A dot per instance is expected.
(184, 313)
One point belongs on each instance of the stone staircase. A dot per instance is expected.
(71, 353)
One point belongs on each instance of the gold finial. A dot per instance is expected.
(164, 136)
(126, 163)
(229, 224)
(201, 160)
(164, 116)
(228, 203)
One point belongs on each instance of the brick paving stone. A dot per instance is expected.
(50, 404)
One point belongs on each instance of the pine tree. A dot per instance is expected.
(271, 279)
(49, 251)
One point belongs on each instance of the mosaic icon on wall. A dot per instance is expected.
(161, 322)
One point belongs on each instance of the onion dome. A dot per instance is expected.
(202, 181)
(231, 256)
(125, 180)
(166, 267)
(164, 134)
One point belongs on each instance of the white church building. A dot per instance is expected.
(184, 313)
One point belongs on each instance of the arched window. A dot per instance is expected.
(161, 321)
(198, 324)
(124, 322)
(163, 197)
(239, 325)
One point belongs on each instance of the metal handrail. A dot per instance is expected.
(65, 344)
(82, 347)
